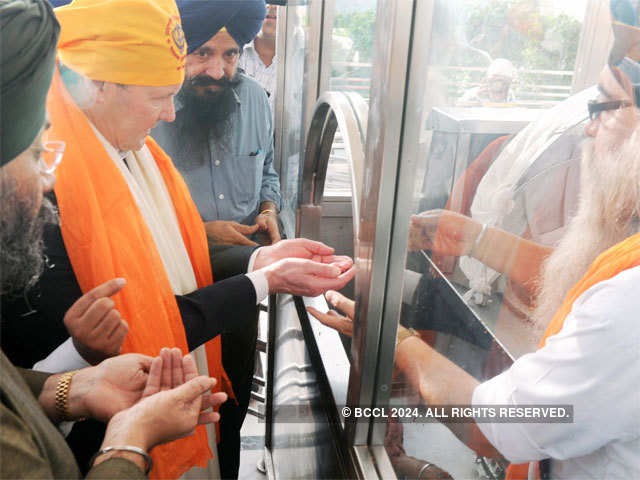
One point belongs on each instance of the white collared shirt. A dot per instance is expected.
(253, 66)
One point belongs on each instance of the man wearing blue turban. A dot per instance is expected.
(222, 143)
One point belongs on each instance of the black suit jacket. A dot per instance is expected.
(36, 327)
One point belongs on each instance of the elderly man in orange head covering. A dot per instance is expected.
(126, 212)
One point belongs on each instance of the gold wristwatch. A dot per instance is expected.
(62, 396)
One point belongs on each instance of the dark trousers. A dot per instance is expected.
(238, 359)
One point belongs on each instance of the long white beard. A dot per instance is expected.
(607, 214)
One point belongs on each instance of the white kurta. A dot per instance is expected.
(593, 363)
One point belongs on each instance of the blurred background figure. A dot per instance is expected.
(495, 87)
(259, 59)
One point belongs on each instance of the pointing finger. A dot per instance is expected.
(106, 289)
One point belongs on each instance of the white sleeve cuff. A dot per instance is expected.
(62, 359)
(252, 260)
(260, 283)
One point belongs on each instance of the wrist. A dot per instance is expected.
(81, 384)
(63, 396)
(138, 456)
(88, 355)
(124, 429)
(268, 208)
(271, 277)
(403, 334)
(478, 241)
(262, 259)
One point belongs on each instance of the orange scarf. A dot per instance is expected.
(620, 257)
(106, 237)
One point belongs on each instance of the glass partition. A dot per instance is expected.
(470, 175)
(293, 107)
(301, 433)
(488, 179)
(350, 46)
(331, 174)
(347, 57)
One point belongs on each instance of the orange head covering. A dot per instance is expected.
(132, 42)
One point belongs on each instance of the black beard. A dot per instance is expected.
(21, 244)
(209, 111)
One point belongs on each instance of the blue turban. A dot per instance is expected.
(202, 19)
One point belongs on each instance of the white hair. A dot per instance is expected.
(607, 214)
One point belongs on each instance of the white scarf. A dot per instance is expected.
(152, 197)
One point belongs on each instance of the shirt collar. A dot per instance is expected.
(251, 46)
(236, 95)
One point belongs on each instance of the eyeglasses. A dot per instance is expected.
(51, 157)
(596, 108)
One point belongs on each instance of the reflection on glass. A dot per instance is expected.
(352, 46)
(350, 55)
(450, 360)
(297, 35)
(338, 182)
(497, 182)
(508, 52)
(301, 448)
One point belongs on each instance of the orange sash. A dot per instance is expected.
(106, 237)
(618, 258)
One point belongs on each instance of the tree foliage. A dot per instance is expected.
(520, 32)
(360, 28)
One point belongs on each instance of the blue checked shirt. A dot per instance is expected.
(231, 176)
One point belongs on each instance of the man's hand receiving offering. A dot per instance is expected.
(118, 383)
(303, 267)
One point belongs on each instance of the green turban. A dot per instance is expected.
(28, 35)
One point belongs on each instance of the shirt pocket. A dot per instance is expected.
(246, 185)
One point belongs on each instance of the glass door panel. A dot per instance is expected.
(491, 142)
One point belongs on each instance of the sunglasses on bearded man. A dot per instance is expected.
(595, 108)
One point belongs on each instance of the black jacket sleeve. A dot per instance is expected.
(32, 324)
(229, 260)
(225, 306)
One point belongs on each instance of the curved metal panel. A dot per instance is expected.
(346, 112)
